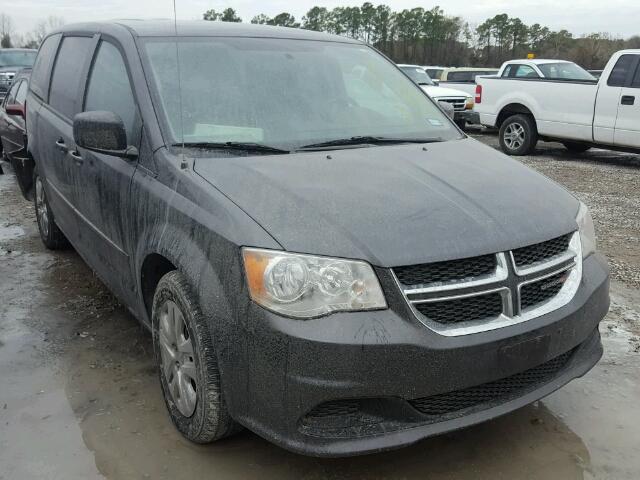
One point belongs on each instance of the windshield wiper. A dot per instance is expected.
(244, 146)
(364, 140)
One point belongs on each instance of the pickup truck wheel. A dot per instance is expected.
(51, 235)
(576, 147)
(187, 362)
(462, 124)
(518, 135)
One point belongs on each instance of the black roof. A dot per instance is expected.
(197, 28)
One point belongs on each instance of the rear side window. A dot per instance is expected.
(42, 66)
(11, 96)
(460, 76)
(21, 96)
(636, 79)
(618, 76)
(525, 71)
(507, 70)
(109, 88)
(67, 74)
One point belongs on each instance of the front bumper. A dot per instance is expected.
(468, 116)
(386, 359)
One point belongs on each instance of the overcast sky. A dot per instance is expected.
(619, 17)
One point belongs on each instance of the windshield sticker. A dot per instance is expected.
(435, 122)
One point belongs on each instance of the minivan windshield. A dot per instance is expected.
(284, 93)
(17, 58)
(565, 71)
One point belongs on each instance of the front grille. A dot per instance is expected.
(442, 295)
(442, 272)
(466, 309)
(541, 252)
(532, 294)
(458, 103)
(492, 392)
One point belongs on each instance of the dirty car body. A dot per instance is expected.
(13, 137)
(472, 283)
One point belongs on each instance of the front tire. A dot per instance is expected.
(50, 234)
(576, 147)
(188, 365)
(518, 135)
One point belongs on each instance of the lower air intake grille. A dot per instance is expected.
(462, 309)
(440, 272)
(335, 409)
(532, 294)
(493, 392)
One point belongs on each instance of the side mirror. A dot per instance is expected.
(15, 110)
(102, 132)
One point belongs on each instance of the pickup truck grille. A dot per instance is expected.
(471, 295)
(458, 103)
(6, 78)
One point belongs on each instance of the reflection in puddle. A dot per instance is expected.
(10, 232)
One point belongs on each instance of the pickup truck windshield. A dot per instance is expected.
(17, 59)
(418, 75)
(565, 71)
(284, 93)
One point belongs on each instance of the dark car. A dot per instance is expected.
(12, 60)
(320, 254)
(12, 127)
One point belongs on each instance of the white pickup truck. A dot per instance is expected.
(552, 100)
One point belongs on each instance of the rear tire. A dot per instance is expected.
(188, 366)
(518, 135)
(576, 147)
(51, 235)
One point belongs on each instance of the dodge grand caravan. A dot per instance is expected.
(320, 254)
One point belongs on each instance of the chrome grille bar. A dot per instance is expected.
(508, 280)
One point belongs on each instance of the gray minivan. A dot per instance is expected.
(320, 254)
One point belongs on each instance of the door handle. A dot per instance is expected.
(60, 145)
(76, 157)
(628, 100)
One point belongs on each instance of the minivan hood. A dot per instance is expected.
(396, 205)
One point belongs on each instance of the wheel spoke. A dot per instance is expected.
(188, 369)
(187, 394)
(185, 346)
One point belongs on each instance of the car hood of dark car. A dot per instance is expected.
(396, 205)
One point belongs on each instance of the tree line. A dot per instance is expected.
(9, 38)
(431, 37)
(417, 35)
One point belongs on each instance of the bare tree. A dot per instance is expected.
(34, 38)
(6, 31)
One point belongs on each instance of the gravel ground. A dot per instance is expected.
(609, 183)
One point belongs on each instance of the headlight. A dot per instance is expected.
(468, 105)
(587, 231)
(306, 286)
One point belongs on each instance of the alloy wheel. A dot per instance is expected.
(176, 351)
(42, 211)
(514, 136)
